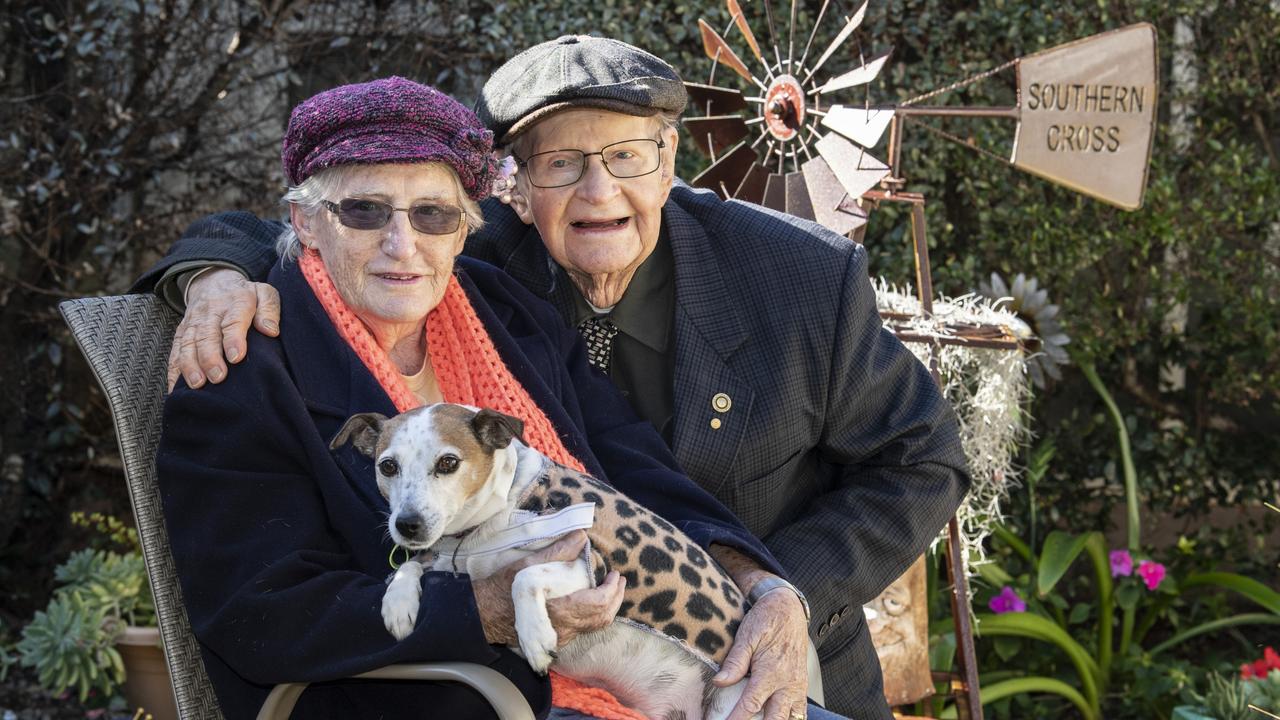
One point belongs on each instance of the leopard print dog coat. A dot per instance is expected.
(673, 587)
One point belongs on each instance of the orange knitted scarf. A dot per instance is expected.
(469, 372)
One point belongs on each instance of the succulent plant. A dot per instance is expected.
(70, 644)
(1040, 318)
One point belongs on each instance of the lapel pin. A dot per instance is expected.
(721, 402)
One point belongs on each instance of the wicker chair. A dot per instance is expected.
(126, 340)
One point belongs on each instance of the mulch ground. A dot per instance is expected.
(21, 698)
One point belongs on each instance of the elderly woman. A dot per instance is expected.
(280, 543)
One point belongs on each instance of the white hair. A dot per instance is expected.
(310, 194)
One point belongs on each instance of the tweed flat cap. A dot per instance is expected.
(392, 120)
(577, 71)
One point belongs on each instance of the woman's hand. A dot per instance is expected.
(221, 306)
(580, 612)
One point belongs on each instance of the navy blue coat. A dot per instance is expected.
(281, 544)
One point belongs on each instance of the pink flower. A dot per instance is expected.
(505, 180)
(1121, 563)
(1007, 601)
(1151, 572)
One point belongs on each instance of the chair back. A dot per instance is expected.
(126, 340)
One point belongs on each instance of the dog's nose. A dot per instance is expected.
(409, 526)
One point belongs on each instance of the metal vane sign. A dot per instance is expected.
(1088, 114)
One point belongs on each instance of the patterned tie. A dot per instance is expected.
(598, 332)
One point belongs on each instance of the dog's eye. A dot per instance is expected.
(446, 464)
(389, 467)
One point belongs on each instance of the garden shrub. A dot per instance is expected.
(123, 123)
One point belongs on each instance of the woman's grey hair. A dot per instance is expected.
(311, 193)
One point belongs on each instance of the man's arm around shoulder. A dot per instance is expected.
(234, 239)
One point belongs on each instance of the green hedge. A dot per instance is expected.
(106, 103)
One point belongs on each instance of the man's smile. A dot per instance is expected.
(591, 225)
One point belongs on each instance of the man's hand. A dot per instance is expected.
(772, 646)
(221, 306)
(580, 612)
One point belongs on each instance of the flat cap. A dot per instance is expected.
(577, 71)
(391, 120)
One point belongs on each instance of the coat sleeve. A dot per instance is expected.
(240, 239)
(904, 472)
(635, 459)
(264, 546)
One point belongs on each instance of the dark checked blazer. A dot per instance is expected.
(281, 543)
(838, 449)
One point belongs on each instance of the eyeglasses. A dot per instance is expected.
(365, 214)
(626, 159)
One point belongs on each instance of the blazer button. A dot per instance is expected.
(835, 619)
(822, 629)
(721, 402)
(715, 423)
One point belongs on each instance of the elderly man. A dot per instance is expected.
(748, 338)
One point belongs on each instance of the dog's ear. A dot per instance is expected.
(363, 431)
(495, 430)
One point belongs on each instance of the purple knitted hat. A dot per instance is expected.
(392, 120)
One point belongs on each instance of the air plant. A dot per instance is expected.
(1039, 317)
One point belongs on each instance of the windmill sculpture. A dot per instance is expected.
(1085, 115)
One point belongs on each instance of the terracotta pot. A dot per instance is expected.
(146, 683)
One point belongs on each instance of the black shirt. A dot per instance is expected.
(643, 364)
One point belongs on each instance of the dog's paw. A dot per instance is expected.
(400, 602)
(537, 644)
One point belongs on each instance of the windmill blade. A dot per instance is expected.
(775, 192)
(791, 37)
(736, 13)
(849, 204)
(773, 35)
(860, 125)
(845, 32)
(797, 201)
(717, 49)
(713, 134)
(816, 24)
(826, 195)
(715, 100)
(858, 76)
(725, 174)
(752, 187)
(856, 169)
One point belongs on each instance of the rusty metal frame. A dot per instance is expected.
(964, 685)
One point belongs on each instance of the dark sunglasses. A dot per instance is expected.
(364, 214)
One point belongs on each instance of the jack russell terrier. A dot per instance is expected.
(469, 496)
